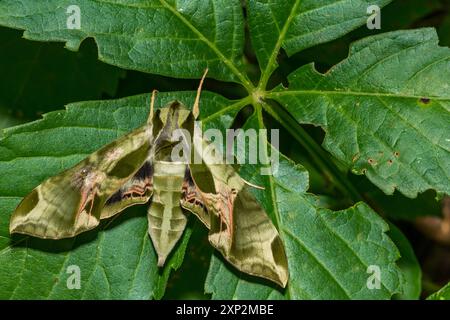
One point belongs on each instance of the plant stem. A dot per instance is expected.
(319, 156)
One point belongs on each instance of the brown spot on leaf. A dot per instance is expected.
(397, 154)
(371, 161)
(390, 161)
(425, 100)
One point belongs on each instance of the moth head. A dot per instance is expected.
(80, 176)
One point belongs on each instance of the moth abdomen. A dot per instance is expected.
(166, 220)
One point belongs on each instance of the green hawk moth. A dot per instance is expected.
(137, 169)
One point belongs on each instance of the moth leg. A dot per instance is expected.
(84, 200)
(230, 202)
(90, 210)
(223, 222)
(86, 197)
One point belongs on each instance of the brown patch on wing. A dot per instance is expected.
(223, 204)
(137, 186)
(193, 199)
(87, 180)
(136, 191)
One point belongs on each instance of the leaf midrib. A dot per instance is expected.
(271, 64)
(319, 262)
(271, 182)
(274, 94)
(378, 96)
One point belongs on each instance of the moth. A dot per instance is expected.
(138, 169)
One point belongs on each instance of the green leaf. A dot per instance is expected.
(442, 294)
(412, 274)
(167, 37)
(385, 110)
(117, 260)
(46, 75)
(295, 25)
(397, 15)
(328, 252)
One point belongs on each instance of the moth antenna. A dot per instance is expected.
(152, 106)
(196, 108)
(253, 185)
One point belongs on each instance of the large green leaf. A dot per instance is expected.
(180, 38)
(385, 110)
(116, 262)
(295, 25)
(117, 259)
(397, 15)
(400, 142)
(168, 37)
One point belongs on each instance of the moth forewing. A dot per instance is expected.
(239, 228)
(72, 201)
(137, 190)
(254, 246)
(51, 209)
